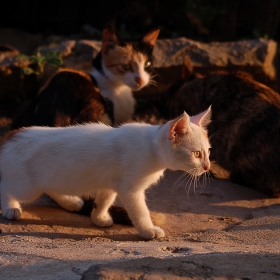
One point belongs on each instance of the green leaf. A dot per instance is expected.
(22, 56)
(56, 62)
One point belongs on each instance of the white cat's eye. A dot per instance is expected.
(148, 63)
(126, 66)
(197, 154)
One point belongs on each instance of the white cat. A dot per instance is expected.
(73, 161)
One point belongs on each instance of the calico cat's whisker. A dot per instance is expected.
(152, 82)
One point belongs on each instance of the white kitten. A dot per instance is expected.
(73, 161)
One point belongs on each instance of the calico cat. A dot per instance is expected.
(103, 94)
(245, 125)
(67, 162)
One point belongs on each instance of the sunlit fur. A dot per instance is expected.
(67, 162)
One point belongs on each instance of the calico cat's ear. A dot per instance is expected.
(151, 37)
(179, 127)
(202, 119)
(110, 38)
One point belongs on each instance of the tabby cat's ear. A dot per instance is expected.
(202, 119)
(151, 37)
(179, 127)
(110, 38)
(187, 69)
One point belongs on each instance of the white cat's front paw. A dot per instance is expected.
(155, 232)
(12, 213)
(104, 220)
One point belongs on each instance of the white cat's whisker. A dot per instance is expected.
(181, 177)
(190, 179)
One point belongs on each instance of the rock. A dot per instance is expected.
(149, 268)
(25, 42)
(258, 57)
(255, 56)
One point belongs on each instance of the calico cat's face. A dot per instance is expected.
(190, 147)
(128, 63)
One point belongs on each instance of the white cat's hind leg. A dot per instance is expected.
(103, 201)
(69, 202)
(10, 207)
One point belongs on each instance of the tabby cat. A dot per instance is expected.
(245, 126)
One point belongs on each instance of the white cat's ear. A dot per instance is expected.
(110, 38)
(202, 119)
(151, 37)
(179, 127)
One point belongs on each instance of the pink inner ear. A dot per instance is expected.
(196, 119)
(151, 37)
(202, 119)
(179, 127)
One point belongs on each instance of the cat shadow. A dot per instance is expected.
(79, 237)
(54, 222)
(217, 197)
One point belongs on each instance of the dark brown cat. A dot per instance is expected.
(245, 125)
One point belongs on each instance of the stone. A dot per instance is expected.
(149, 268)
(258, 57)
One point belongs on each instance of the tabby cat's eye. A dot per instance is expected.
(148, 64)
(197, 154)
(126, 66)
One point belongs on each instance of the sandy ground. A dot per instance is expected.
(216, 231)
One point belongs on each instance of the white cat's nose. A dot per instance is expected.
(207, 167)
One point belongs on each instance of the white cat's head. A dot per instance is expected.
(185, 144)
(128, 62)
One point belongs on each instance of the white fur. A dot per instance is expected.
(73, 161)
(119, 93)
(118, 88)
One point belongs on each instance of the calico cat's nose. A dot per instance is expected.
(206, 167)
(139, 81)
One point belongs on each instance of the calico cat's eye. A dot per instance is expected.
(126, 66)
(197, 154)
(148, 64)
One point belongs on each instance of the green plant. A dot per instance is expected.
(52, 58)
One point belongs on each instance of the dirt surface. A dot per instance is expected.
(216, 231)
